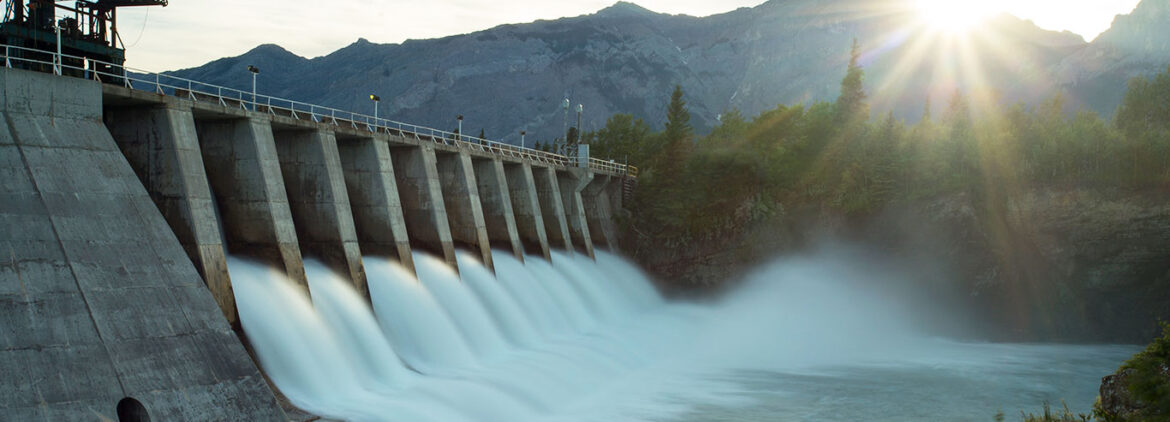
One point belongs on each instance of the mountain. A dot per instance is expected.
(626, 59)
(1136, 44)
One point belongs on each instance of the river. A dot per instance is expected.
(805, 338)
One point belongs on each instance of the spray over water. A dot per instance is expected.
(580, 339)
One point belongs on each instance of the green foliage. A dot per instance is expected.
(624, 138)
(678, 118)
(1148, 382)
(851, 104)
(572, 135)
(1145, 107)
(833, 157)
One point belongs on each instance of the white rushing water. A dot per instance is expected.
(577, 339)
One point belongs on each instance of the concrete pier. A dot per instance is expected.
(244, 170)
(464, 211)
(373, 197)
(417, 175)
(496, 199)
(526, 208)
(160, 144)
(319, 201)
(572, 183)
(552, 207)
(598, 210)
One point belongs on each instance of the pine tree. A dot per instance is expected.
(851, 104)
(678, 118)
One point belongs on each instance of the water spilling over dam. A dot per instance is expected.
(582, 340)
(144, 231)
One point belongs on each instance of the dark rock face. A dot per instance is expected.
(1117, 402)
(626, 59)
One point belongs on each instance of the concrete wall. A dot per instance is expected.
(373, 197)
(159, 142)
(319, 202)
(552, 207)
(461, 198)
(572, 182)
(526, 208)
(98, 299)
(242, 165)
(497, 206)
(417, 174)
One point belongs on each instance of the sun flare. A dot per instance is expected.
(957, 16)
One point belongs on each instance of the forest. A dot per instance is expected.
(836, 156)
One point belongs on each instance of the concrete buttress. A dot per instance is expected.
(598, 212)
(244, 170)
(319, 202)
(464, 210)
(572, 183)
(496, 199)
(526, 208)
(417, 175)
(373, 197)
(159, 142)
(552, 207)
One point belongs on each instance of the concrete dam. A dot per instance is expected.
(120, 210)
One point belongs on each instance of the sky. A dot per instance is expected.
(189, 33)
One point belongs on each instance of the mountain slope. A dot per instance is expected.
(1136, 44)
(626, 59)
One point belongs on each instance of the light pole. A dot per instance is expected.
(57, 62)
(255, 71)
(580, 108)
(565, 121)
(522, 133)
(375, 99)
(459, 131)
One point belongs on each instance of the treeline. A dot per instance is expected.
(836, 156)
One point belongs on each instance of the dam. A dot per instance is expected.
(125, 197)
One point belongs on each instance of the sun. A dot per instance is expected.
(955, 16)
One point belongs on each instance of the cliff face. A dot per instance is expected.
(1044, 264)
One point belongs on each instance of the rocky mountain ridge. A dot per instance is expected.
(626, 59)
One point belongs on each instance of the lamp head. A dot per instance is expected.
(375, 98)
(253, 69)
(459, 117)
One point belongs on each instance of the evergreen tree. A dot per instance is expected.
(851, 106)
(573, 135)
(481, 135)
(678, 118)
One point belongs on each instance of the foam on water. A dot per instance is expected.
(575, 339)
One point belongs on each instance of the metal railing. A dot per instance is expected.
(164, 84)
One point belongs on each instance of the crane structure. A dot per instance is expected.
(86, 29)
